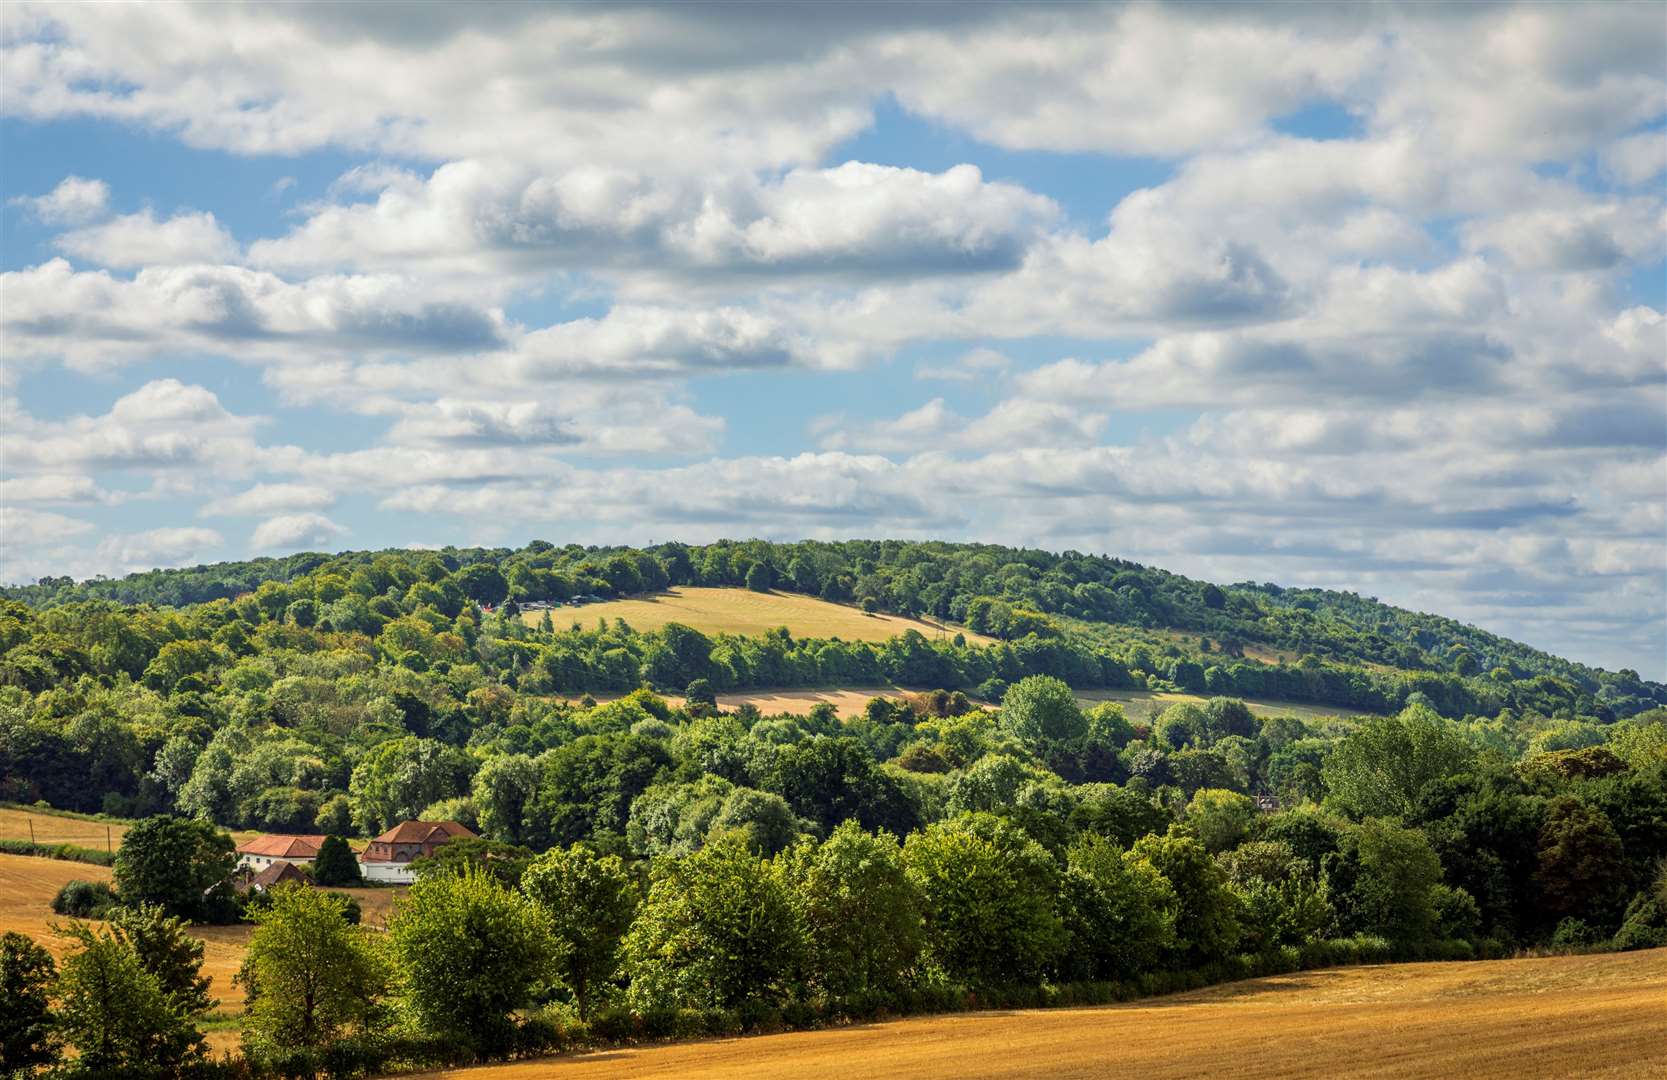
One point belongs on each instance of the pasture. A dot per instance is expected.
(742, 611)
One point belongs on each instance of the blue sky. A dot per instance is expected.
(1360, 298)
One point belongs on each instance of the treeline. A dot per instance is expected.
(992, 590)
(655, 872)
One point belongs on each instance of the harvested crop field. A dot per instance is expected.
(47, 827)
(742, 611)
(1142, 705)
(1601, 1016)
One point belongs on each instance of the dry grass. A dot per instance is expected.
(50, 828)
(742, 611)
(1581, 1016)
(1142, 705)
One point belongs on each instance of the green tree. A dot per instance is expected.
(589, 901)
(116, 1015)
(483, 583)
(1220, 819)
(396, 779)
(312, 979)
(468, 952)
(989, 893)
(26, 977)
(1581, 867)
(174, 862)
(761, 818)
(718, 929)
(700, 695)
(861, 914)
(1207, 913)
(335, 864)
(760, 578)
(1282, 901)
(1042, 713)
(1380, 769)
(506, 863)
(167, 950)
(1120, 814)
(501, 790)
(1388, 873)
(829, 780)
(588, 786)
(1119, 912)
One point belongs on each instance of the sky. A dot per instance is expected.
(1364, 297)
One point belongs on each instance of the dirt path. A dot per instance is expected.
(1587, 1016)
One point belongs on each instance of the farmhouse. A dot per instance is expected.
(388, 857)
(260, 881)
(272, 848)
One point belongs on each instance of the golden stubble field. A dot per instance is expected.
(1579, 1016)
(742, 611)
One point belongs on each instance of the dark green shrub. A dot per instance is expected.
(84, 899)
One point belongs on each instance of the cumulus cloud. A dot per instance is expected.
(139, 240)
(171, 546)
(263, 499)
(288, 532)
(1019, 422)
(50, 488)
(495, 216)
(93, 319)
(1637, 159)
(74, 201)
(978, 364)
(1595, 236)
(26, 528)
(165, 424)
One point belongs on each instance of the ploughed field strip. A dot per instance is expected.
(1601, 1016)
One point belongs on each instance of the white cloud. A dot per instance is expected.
(73, 202)
(172, 546)
(293, 531)
(976, 365)
(496, 217)
(50, 488)
(165, 424)
(1637, 159)
(936, 427)
(264, 499)
(92, 319)
(26, 529)
(1594, 236)
(139, 240)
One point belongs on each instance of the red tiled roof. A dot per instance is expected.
(271, 875)
(418, 832)
(278, 846)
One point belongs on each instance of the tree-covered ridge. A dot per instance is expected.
(1110, 604)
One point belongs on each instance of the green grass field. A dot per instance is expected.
(741, 611)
